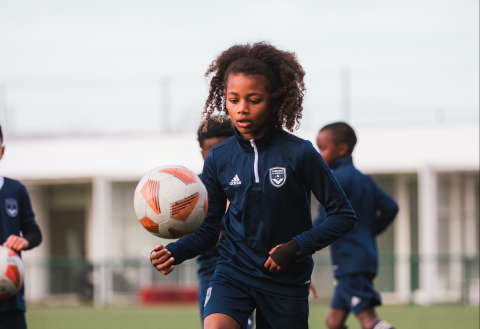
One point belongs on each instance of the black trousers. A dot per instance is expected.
(13, 320)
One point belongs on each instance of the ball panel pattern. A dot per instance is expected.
(158, 176)
(149, 225)
(11, 272)
(139, 204)
(141, 183)
(150, 194)
(172, 189)
(14, 275)
(195, 220)
(175, 234)
(164, 228)
(181, 210)
(184, 175)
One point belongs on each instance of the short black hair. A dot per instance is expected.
(342, 133)
(214, 126)
(1, 134)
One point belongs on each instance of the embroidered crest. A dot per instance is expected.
(278, 176)
(11, 206)
(209, 293)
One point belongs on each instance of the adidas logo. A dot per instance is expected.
(235, 181)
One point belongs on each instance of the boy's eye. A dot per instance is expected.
(255, 101)
(234, 101)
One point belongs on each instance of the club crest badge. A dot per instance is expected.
(278, 176)
(11, 206)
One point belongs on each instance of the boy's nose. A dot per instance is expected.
(243, 108)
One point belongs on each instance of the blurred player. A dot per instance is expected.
(215, 133)
(268, 176)
(16, 216)
(354, 257)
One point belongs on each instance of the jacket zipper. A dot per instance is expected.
(255, 164)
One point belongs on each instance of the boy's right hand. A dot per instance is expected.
(161, 259)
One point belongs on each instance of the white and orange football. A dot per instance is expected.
(171, 202)
(11, 272)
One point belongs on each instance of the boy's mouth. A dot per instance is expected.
(244, 123)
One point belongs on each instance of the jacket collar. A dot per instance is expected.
(342, 162)
(262, 143)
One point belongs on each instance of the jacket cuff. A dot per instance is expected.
(34, 238)
(177, 253)
(305, 245)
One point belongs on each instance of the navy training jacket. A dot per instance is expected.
(16, 215)
(268, 182)
(357, 252)
(207, 261)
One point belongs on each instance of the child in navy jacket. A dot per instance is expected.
(355, 256)
(16, 216)
(268, 176)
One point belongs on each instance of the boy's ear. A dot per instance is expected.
(2, 151)
(224, 93)
(343, 149)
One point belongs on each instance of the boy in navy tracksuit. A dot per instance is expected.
(16, 216)
(355, 256)
(215, 133)
(268, 176)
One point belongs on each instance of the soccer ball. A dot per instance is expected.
(171, 202)
(11, 272)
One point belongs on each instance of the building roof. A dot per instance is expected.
(380, 149)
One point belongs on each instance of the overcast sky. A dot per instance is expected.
(96, 66)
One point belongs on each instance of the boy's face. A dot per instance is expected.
(246, 99)
(329, 150)
(209, 143)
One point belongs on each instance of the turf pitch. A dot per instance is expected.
(186, 316)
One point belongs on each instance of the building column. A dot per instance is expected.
(470, 239)
(455, 235)
(402, 240)
(37, 283)
(427, 234)
(100, 232)
(471, 243)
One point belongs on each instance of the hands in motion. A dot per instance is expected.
(270, 263)
(162, 259)
(16, 243)
(283, 256)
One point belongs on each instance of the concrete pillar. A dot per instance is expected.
(37, 284)
(471, 243)
(472, 284)
(455, 235)
(100, 233)
(427, 234)
(402, 239)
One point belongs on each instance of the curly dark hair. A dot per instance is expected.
(281, 69)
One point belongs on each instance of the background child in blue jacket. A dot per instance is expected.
(18, 231)
(211, 133)
(355, 256)
(268, 176)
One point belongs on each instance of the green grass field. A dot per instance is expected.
(173, 317)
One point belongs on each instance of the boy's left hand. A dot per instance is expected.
(270, 263)
(283, 256)
(16, 243)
